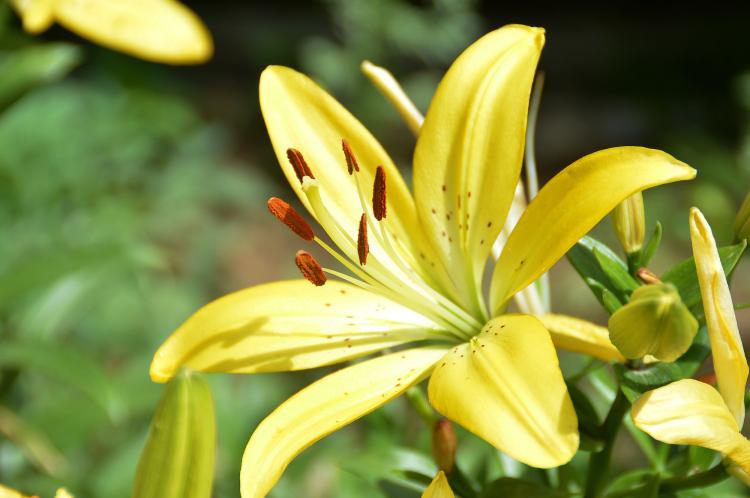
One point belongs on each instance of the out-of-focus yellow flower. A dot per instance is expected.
(6, 492)
(155, 30)
(438, 488)
(416, 265)
(692, 412)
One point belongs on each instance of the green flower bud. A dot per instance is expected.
(742, 222)
(655, 322)
(178, 460)
(630, 223)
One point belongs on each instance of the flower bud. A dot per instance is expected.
(630, 223)
(444, 445)
(742, 222)
(655, 322)
(178, 460)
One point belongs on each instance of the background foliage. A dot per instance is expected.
(131, 194)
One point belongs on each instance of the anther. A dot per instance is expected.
(378, 194)
(363, 247)
(310, 268)
(301, 169)
(351, 161)
(291, 218)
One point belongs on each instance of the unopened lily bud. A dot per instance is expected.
(742, 222)
(178, 460)
(655, 322)
(630, 223)
(444, 445)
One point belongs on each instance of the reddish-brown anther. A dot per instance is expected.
(301, 169)
(351, 161)
(378, 194)
(291, 218)
(363, 247)
(310, 268)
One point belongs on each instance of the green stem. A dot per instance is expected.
(700, 480)
(599, 462)
(419, 402)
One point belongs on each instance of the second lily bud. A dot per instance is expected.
(655, 322)
(630, 223)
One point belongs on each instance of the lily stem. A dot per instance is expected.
(599, 462)
(419, 402)
(702, 479)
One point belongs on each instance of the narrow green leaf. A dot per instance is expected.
(617, 274)
(607, 299)
(652, 246)
(598, 265)
(588, 419)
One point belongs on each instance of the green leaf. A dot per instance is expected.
(636, 382)
(601, 269)
(607, 299)
(63, 364)
(30, 66)
(617, 274)
(644, 483)
(507, 487)
(652, 246)
(685, 278)
(588, 419)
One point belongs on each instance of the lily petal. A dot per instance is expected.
(439, 488)
(580, 336)
(155, 30)
(37, 15)
(325, 406)
(726, 345)
(691, 412)
(468, 156)
(570, 205)
(506, 387)
(284, 326)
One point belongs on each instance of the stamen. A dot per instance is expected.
(291, 218)
(310, 268)
(351, 161)
(378, 194)
(301, 169)
(363, 247)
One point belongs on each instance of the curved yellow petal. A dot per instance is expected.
(390, 88)
(300, 115)
(325, 406)
(289, 325)
(155, 30)
(580, 336)
(37, 15)
(6, 492)
(726, 345)
(470, 148)
(570, 205)
(691, 412)
(439, 488)
(506, 387)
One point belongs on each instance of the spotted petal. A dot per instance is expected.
(468, 156)
(692, 412)
(726, 345)
(155, 30)
(284, 326)
(324, 407)
(506, 387)
(570, 205)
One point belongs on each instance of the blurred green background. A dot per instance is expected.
(132, 193)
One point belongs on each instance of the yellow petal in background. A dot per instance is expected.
(506, 387)
(390, 88)
(691, 412)
(289, 325)
(325, 406)
(156, 30)
(726, 345)
(37, 15)
(580, 336)
(570, 205)
(438, 488)
(469, 152)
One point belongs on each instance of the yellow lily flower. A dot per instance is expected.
(438, 488)
(416, 265)
(155, 30)
(689, 411)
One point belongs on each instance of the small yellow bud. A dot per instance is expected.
(444, 445)
(742, 222)
(178, 460)
(630, 223)
(655, 322)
